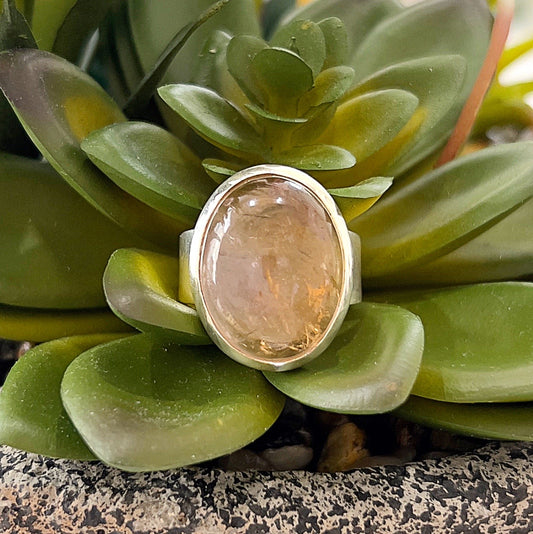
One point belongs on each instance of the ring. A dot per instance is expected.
(270, 267)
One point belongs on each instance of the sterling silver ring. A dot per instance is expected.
(271, 267)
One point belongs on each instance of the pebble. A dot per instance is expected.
(288, 458)
(344, 448)
(244, 460)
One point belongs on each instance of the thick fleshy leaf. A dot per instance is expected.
(437, 82)
(330, 85)
(336, 42)
(503, 252)
(479, 341)
(509, 421)
(369, 368)
(142, 289)
(152, 165)
(140, 97)
(304, 38)
(59, 105)
(81, 21)
(240, 53)
(32, 417)
(142, 404)
(153, 29)
(366, 123)
(446, 208)
(54, 245)
(282, 76)
(359, 17)
(219, 170)
(355, 200)
(14, 33)
(44, 325)
(213, 117)
(262, 115)
(46, 19)
(463, 28)
(316, 158)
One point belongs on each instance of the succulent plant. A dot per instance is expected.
(361, 95)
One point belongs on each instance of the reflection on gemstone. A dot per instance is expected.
(271, 272)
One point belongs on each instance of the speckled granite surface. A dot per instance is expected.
(490, 491)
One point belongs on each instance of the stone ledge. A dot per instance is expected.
(489, 491)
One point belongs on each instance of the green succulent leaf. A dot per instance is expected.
(503, 252)
(305, 38)
(153, 166)
(81, 21)
(315, 158)
(355, 200)
(240, 53)
(153, 29)
(369, 368)
(140, 97)
(54, 245)
(336, 42)
(213, 117)
(142, 404)
(479, 341)
(282, 76)
(318, 119)
(59, 105)
(437, 82)
(359, 18)
(32, 416)
(509, 421)
(219, 170)
(14, 33)
(330, 85)
(46, 19)
(464, 28)
(366, 123)
(263, 115)
(446, 208)
(33, 324)
(142, 289)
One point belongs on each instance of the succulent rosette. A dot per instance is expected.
(363, 96)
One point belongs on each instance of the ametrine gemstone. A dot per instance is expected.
(272, 268)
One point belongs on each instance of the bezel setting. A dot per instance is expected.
(345, 240)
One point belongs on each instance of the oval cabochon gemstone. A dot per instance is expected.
(271, 272)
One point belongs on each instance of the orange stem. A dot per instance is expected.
(500, 32)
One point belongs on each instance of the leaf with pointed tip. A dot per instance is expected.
(305, 38)
(140, 97)
(369, 368)
(32, 416)
(46, 19)
(81, 21)
(464, 29)
(219, 170)
(152, 29)
(142, 404)
(142, 289)
(14, 33)
(366, 123)
(437, 82)
(508, 421)
(54, 245)
(503, 252)
(315, 158)
(447, 207)
(282, 76)
(59, 105)
(39, 325)
(329, 86)
(354, 201)
(336, 42)
(213, 117)
(153, 166)
(359, 18)
(479, 341)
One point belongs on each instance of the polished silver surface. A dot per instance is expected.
(192, 244)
